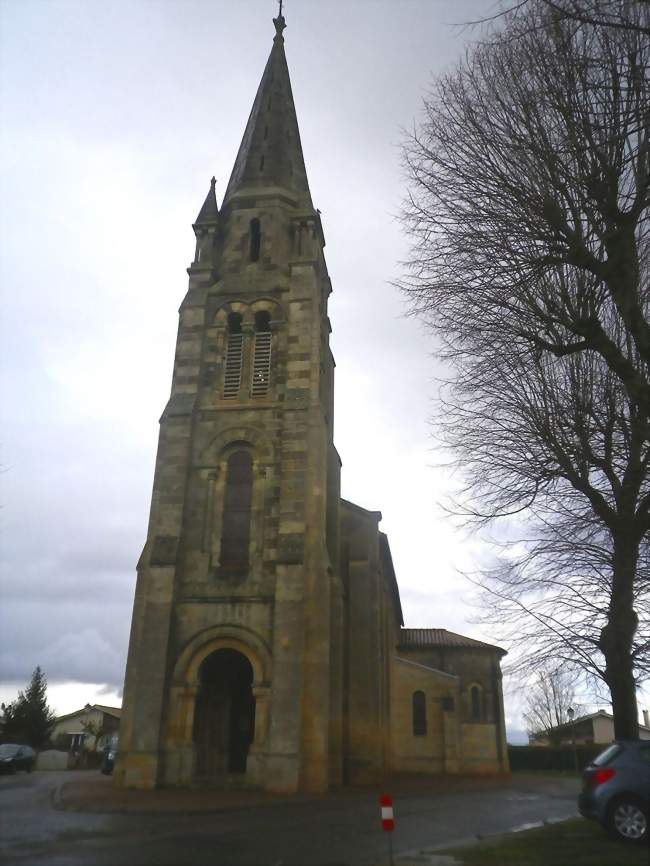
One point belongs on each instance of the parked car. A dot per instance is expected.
(616, 790)
(15, 757)
(108, 756)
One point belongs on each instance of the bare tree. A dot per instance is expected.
(551, 694)
(528, 214)
(618, 14)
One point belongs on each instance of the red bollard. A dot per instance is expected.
(387, 822)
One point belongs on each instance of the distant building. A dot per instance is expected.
(597, 727)
(267, 640)
(86, 729)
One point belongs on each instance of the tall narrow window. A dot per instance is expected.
(234, 355)
(261, 355)
(256, 240)
(475, 698)
(419, 714)
(236, 528)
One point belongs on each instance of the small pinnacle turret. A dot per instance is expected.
(209, 212)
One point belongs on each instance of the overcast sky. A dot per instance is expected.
(114, 117)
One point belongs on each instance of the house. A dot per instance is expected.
(268, 645)
(597, 727)
(87, 729)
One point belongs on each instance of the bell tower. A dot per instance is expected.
(235, 655)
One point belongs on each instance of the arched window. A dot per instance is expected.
(419, 714)
(475, 701)
(256, 239)
(234, 357)
(261, 355)
(236, 526)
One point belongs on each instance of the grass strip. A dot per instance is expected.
(570, 843)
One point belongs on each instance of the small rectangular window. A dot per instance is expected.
(261, 364)
(232, 374)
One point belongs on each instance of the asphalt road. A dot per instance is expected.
(342, 830)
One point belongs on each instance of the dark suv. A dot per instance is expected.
(616, 790)
(16, 757)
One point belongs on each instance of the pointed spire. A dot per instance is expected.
(270, 154)
(209, 213)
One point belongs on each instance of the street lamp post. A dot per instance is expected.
(571, 713)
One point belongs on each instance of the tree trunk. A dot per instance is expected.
(617, 636)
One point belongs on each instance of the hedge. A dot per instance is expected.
(566, 758)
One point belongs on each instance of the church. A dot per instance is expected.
(267, 646)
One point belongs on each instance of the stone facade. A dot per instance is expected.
(266, 641)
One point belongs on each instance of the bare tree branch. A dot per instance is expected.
(528, 212)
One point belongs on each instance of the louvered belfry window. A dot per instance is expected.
(236, 527)
(261, 355)
(234, 357)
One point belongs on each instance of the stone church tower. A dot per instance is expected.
(239, 567)
(266, 624)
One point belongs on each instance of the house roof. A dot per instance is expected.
(116, 712)
(599, 714)
(417, 638)
(110, 711)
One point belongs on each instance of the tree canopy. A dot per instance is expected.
(29, 719)
(529, 221)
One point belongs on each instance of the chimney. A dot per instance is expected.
(646, 719)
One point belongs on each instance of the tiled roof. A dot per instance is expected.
(599, 714)
(111, 711)
(116, 712)
(425, 637)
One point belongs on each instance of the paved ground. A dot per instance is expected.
(41, 823)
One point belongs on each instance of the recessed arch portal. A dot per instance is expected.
(224, 715)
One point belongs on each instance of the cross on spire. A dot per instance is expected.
(279, 21)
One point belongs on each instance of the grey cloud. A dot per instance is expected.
(70, 640)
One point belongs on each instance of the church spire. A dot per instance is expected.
(270, 154)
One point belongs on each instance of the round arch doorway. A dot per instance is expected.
(224, 717)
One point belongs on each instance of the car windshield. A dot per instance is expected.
(8, 751)
(605, 757)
